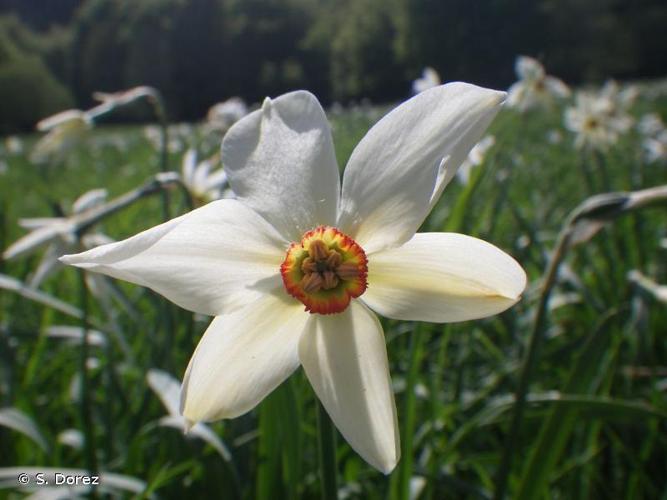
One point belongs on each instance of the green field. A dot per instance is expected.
(589, 356)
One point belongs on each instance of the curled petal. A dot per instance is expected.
(443, 277)
(345, 359)
(242, 357)
(212, 260)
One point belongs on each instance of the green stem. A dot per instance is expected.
(416, 348)
(86, 411)
(326, 442)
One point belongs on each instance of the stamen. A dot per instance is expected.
(318, 250)
(312, 283)
(334, 259)
(330, 280)
(325, 270)
(348, 271)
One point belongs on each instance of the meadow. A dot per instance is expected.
(561, 396)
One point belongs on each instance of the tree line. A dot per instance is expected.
(55, 54)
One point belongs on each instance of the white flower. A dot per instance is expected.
(655, 148)
(429, 79)
(294, 237)
(224, 114)
(202, 184)
(57, 234)
(65, 131)
(535, 88)
(596, 120)
(14, 145)
(650, 124)
(475, 158)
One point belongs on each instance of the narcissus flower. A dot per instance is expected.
(535, 88)
(293, 269)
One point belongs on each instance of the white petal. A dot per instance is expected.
(443, 277)
(88, 200)
(242, 357)
(167, 388)
(556, 87)
(345, 358)
(281, 162)
(212, 260)
(37, 238)
(528, 68)
(389, 181)
(189, 164)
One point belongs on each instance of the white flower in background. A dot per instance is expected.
(65, 131)
(224, 114)
(655, 148)
(535, 88)
(293, 238)
(14, 145)
(597, 122)
(621, 98)
(202, 184)
(650, 124)
(475, 158)
(429, 79)
(57, 234)
(168, 389)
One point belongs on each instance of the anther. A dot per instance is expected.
(330, 280)
(308, 266)
(347, 271)
(334, 259)
(311, 283)
(318, 250)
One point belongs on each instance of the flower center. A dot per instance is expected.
(325, 270)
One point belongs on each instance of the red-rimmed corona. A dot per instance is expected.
(325, 270)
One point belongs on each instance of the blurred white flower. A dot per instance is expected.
(597, 120)
(168, 389)
(655, 148)
(475, 158)
(14, 145)
(429, 79)
(294, 238)
(202, 184)
(224, 114)
(534, 88)
(650, 124)
(57, 233)
(65, 130)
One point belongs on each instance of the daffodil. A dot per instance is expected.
(534, 88)
(294, 267)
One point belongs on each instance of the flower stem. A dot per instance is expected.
(86, 413)
(326, 444)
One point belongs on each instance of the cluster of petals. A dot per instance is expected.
(598, 119)
(224, 258)
(200, 179)
(534, 88)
